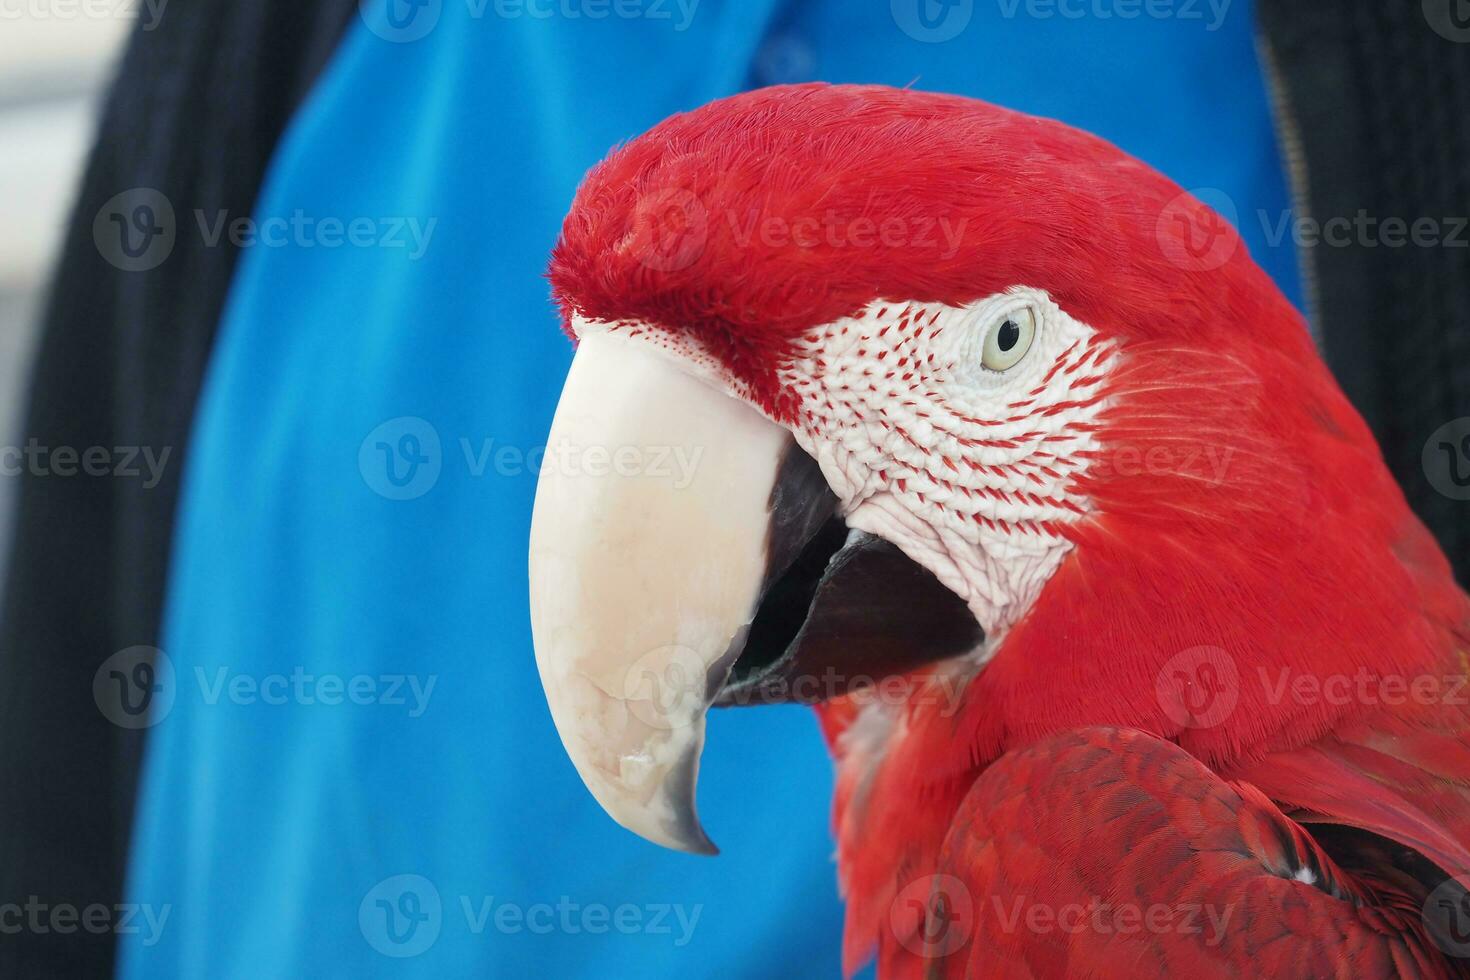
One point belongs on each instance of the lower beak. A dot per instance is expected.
(684, 552)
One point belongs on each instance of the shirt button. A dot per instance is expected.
(784, 59)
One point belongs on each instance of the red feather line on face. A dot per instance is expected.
(1266, 526)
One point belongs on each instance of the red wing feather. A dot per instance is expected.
(1107, 852)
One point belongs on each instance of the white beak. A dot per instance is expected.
(646, 573)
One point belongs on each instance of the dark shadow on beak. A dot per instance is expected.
(840, 609)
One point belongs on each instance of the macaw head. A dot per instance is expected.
(961, 423)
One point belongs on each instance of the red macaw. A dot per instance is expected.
(1007, 456)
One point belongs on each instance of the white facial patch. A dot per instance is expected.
(970, 471)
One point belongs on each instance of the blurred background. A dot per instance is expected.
(53, 70)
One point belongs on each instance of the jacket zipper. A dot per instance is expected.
(1294, 152)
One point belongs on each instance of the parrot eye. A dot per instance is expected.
(1009, 339)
